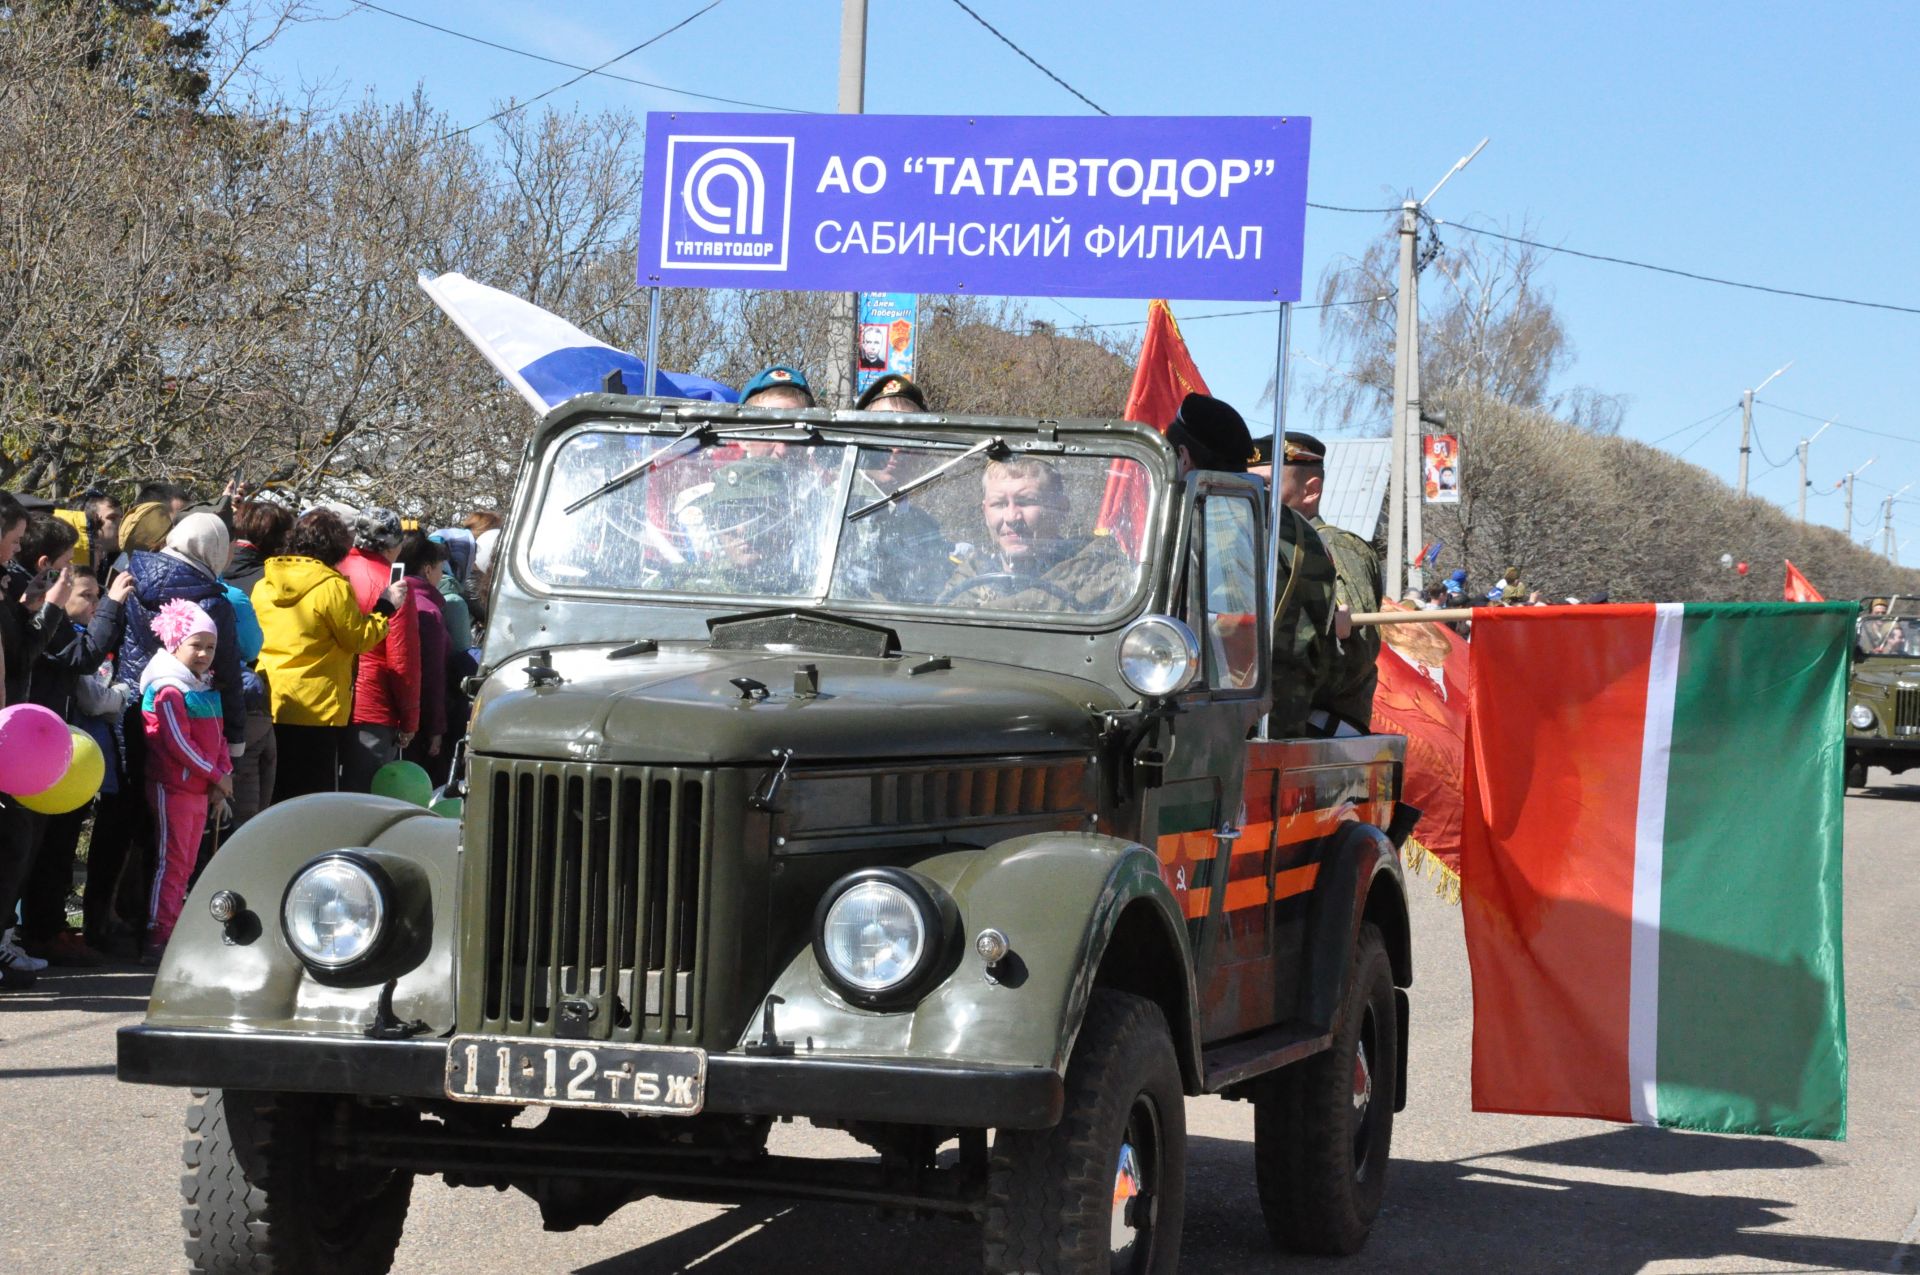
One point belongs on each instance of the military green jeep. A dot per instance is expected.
(903, 773)
(1883, 699)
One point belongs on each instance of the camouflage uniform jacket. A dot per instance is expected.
(1355, 669)
(1092, 575)
(1303, 642)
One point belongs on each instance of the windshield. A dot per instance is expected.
(1884, 635)
(769, 521)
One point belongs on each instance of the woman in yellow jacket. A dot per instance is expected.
(311, 629)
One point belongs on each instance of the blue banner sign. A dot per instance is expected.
(1195, 208)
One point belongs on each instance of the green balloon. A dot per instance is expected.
(451, 807)
(403, 781)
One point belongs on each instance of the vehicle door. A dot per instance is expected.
(1204, 810)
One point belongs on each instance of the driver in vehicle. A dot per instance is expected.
(1036, 563)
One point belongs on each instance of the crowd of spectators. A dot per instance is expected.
(224, 656)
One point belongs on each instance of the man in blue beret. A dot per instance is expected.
(778, 386)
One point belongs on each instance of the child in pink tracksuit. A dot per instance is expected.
(186, 756)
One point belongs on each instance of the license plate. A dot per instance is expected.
(657, 1079)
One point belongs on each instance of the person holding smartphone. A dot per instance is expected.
(38, 580)
(386, 685)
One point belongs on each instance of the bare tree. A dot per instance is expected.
(1487, 327)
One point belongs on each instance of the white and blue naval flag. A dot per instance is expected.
(542, 355)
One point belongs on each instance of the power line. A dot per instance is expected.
(574, 66)
(1235, 314)
(1686, 274)
(520, 106)
(1339, 208)
(1772, 464)
(1858, 429)
(1720, 415)
(1030, 58)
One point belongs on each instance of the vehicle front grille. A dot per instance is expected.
(586, 896)
(1906, 711)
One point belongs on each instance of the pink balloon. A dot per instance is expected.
(35, 749)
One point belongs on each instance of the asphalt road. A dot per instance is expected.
(90, 1179)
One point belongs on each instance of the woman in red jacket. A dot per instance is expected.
(386, 685)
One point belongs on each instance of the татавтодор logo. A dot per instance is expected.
(731, 206)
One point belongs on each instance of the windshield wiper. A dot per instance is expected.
(686, 444)
(996, 447)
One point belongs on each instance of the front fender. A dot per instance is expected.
(1058, 899)
(256, 982)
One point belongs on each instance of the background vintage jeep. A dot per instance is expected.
(784, 799)
(1883, 699)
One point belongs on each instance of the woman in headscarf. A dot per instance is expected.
(188, 567)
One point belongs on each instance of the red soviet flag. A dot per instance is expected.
(1799, 588)
(1166, 374)
(1423, 694)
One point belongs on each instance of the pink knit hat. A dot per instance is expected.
(179, 620)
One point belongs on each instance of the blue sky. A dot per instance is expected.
(1768, 142)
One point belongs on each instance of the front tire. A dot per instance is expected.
(255, 1197)
(1323, 1128)
(1105, 1189)
(1856, 774)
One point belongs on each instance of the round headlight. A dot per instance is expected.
(1158, 655)
(334, 912)
(875, 936)
(1861, 717)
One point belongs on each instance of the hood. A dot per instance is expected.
(1887, 670)
(165, 669)
(423, 594)
(247, 560)
(678, 705)
(287, 580)
(158, 577)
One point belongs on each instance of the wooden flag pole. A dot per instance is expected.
(1413, 617)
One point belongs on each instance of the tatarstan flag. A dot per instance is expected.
(1651, 873)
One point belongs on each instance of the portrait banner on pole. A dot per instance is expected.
(1207, 208)
(886, 335)
(1440, 468)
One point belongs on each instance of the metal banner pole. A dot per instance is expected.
(653, 338)
(1276, 457)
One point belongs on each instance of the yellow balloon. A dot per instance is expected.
(75, 788)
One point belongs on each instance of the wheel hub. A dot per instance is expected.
(1362, 1080)
(1129, 1188)
(1136, 1186)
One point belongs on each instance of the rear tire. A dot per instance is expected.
(1323, 1128)
(1105, 1189)
(255, 1198)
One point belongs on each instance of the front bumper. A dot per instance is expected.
(1883, 744)
(884, 1089)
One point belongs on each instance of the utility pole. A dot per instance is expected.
(1404, 491)
(1805, 445)
(1746, 425)
(1406, 314)
(1848, 483)
(1886, 525)
(853, 101)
